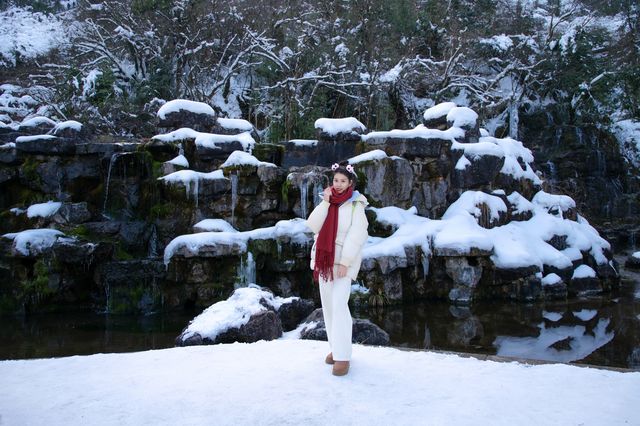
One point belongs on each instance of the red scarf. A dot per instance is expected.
(326, 242)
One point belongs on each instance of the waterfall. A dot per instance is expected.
(106, 190)
(246, 271)
(234, 197)
(153, 243)
(553, 173)
(304, 187)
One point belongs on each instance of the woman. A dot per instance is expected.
(340, 227)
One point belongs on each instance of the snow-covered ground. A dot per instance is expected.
(286, 382)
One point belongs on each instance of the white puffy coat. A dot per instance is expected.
(352, 232)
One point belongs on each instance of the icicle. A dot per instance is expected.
(153, 243)
(246, 271)
(513, 120)
(234, 197)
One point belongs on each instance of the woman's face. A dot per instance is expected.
(341, 182)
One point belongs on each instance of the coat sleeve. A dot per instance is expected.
(317, 216)
(356, 236)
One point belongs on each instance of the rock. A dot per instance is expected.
(367, 333)
(410, 148)
(70, 250)
(46, 144)
(388, 181)
(633, 261)
(556, 291)
(466, 119)
(479, 172)
(72, 213)
(71, 130)
(364, 331)
(262, 326)
(563, 345)
(200, 122)
(8, 154)
(584, 286)
(292, 313)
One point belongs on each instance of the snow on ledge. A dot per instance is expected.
(207, 140)
(36, 121)
(420, 131)
(43, 209)
(235, 124)
(213, 225)
(20, 139)
(462, 116)
(376, 154)
(183, 104)
(180, 160)
(241, 158)
(546, 200)
(304, 142)
(551, 279)
(69, 124)
(438, 111)
(33, 241)
(583, 271)
(294, 229)
(333, 126)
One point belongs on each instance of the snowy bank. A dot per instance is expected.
(287, 382)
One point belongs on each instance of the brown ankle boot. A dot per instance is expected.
(329, 358)
(340, 368)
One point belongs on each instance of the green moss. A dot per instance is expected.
(160, 210)
(121, 253)
(30, 170)
(79, 231)
(33, 290)
(285, 191)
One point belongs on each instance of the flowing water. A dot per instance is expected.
(602, 330)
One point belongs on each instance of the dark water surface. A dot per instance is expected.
(602, 330)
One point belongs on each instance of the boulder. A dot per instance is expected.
(363, 332)
(292, 313)
(633, 261)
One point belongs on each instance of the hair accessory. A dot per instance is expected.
(350, 169)
(335, 166)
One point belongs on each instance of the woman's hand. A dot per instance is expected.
(342, 271)
(326, 194)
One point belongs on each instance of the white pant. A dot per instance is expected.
(334, 296)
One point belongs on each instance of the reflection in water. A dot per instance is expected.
(598, 330)
(561, 344)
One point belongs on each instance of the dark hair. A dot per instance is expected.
(342, 169)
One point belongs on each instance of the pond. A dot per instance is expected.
(602, 330)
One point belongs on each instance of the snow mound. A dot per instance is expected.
(420, 131)
(438, 111)
(235, 124)
(33, 241)
(213, 225)
(462, 117)
(376, 154)
(207, 140)
(241, 158)
(333, 126)
(180, 160)
(177, 105)
(43, 209)
(583, 271)
(233, 312)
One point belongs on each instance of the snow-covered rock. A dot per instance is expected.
(335, 126)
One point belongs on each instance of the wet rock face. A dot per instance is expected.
(585, 162)
(388, 182)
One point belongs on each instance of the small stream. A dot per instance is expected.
(603, 330)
